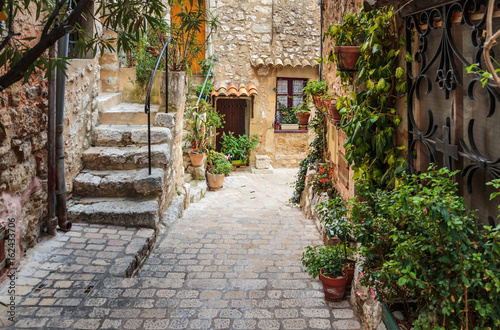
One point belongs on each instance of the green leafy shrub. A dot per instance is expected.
(326, 258)
(239, 148)
(422, 244)
(203, 123)
(315, 87)
(218, 163)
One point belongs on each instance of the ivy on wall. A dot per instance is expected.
(368, 115)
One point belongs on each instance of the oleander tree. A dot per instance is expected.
(22, 55)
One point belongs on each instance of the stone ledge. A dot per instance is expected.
(254, 170)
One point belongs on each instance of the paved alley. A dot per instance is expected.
(232, 262)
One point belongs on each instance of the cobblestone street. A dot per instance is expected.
(232, 262)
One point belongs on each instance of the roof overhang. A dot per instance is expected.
(281, 63)
(234, 89)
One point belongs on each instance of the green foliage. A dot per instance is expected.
(207, 62)
(239, 148)
(322, 180)
(302, 109)
(218, 163)
(184, 31)
(368, 116)
(316, 152)
(422, 244)
(352, 32)
(203, 123)
(315, 87)
(288, 115)
(207, 91)
(146, 52)
(486, 76)
(328, 258)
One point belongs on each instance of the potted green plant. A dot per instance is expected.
(238, 148)
(327, 263)
(314, 89)
(289, 118)
(347, 36)
(338, 226)
(303, 113)
(218, 166)
(203, 122)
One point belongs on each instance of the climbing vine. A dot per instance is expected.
(368, 115)
(316, 152)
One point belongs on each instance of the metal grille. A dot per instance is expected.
(452, 121)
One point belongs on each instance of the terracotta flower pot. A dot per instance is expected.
(317, 102)
(334, 288)
(350, 273)
(303, 118)
(196, 159)
(334, 113)
(215, 181)
(347, 56)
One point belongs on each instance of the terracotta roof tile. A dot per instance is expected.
(223, 89)
(278, 62)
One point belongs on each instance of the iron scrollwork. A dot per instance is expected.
(449, 60)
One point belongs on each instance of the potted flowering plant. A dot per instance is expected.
(203, 122)
(238, 148)
(289, 118)
(327, 263)
(314, 89)
(218, 166)
(322, 180)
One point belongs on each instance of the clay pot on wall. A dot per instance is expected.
(197, 159)
(334, 288)
(347, 56)
(350, 272)
(333, 113)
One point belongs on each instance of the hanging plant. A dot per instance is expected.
(368, 115)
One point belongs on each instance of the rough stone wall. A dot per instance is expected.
(290, 149)
(23, 112)
(23, 153)
(265, 28)
(110, 65)
(80, 113)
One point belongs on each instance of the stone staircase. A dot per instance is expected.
(115, 186)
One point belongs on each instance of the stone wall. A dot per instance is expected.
(80, 113)
(23, 153)
(266, 29)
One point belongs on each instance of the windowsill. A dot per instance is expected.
(290, 131)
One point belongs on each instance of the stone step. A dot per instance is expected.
(125, 158)
(125, 135)
(119, 183)
(108, 100)
(198, 190)
(188, 177)
(128, 114)
(132, 212)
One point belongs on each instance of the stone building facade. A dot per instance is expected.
(258, 42)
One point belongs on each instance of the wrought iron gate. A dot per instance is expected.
(452, 120)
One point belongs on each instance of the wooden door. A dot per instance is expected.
(234, 116)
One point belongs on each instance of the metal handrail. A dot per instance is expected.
(147, 106)
(205, 83)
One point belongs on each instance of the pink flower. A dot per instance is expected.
(358, 293)
(425, 210)
(373, 292)
(283, 112)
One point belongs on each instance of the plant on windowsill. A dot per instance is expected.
(238, 148)
(303, 113)
(203, 123)
(327, 263)
(289, 118)
(218, 166)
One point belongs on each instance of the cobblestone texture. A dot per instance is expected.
(232, 262)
